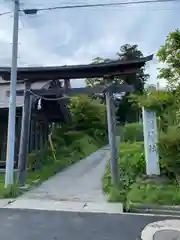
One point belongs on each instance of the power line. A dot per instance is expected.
(5, 13)
(104, 5)
(35, 10)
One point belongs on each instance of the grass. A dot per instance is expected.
(133, 132)
(11, 192)
(75, 147)
(134, 186)
(151, 193)
(1, 184)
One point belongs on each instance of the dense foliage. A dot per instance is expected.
(132, 132)
(126, 112)
(166, 103)
(89, 116)
(131, 164)
(135, 187)
(71, 142)
(169, 55)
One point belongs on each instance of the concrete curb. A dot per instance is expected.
(153, 206)
(50, 205)
(168, 225)
(5, 202)
(155, 209)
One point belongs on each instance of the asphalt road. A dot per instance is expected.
(50, 225)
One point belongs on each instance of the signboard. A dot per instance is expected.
(150, 142)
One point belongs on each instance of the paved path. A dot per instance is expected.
(80, 182)
(53, 225)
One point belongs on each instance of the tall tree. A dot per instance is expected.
(127, 52)
(125, 111)
(131, 52)
(169, 55)
(92, 82)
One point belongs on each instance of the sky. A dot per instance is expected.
(76, 36)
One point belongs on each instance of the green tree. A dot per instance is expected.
(92, 82)
(169, 55)
(88, 116)
(127, 52)
(126, 112)
(131, 52)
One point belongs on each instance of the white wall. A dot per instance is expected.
(4, 99)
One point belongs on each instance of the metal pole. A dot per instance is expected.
(12, 102)
(24, 141)
(112, 137)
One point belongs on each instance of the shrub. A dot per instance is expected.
(71, 136)
(153, 193)
(133, 132)
(163, 102)
(134, 186)
(75, 145)
(85, 146)
(131, 164)
(131, 159)
(37, 158)
(155, 100)
(89, 116)
(169, 149)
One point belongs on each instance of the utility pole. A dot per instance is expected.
(12, 101)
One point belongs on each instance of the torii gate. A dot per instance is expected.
(104, 70)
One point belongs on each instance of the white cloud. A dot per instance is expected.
(77, 36)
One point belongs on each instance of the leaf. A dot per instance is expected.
(169, 54)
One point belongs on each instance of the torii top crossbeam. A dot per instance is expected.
(111, 68)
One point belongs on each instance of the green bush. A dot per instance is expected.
(89, 116)
(71, 136)
(133, 132)
(131, 163)
(37, 158)
(163, 102)
(134, 186)
(77, 143)
(169, 149)
(88, 122)
(153, 193)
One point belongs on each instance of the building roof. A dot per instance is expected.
(112, 68)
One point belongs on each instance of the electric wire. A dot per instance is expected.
(103, 5)
(5, 13)
(111, 4)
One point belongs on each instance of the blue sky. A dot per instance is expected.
(76, 36)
